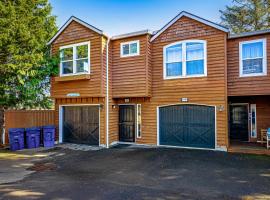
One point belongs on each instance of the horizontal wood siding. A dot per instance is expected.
(238, 86)
(76, 33)
(210, 90)
(131, 74)
(27, 119)
(83, 101)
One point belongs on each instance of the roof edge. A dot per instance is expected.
(73, 18)
(131, 34)
(192, 16)
(247, 34)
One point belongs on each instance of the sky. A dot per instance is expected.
(116, 17)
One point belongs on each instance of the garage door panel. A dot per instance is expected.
(187, 125)
(81, 124)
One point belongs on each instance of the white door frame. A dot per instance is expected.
(158, 142)
(61, 119)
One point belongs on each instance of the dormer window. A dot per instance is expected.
(252, 58)
(75, 59)
(185, 59)
(131, 48)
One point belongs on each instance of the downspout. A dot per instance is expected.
(107, 93)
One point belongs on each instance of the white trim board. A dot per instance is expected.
(189, 15)
(60, 124)
(73, 18)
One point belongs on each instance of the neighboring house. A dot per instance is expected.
(176, 87)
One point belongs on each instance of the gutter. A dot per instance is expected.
(107, 93)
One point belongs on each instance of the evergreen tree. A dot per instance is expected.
(25, 62)
(246, 15)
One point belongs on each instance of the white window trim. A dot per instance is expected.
(264, 58)
(137, 122)
(74, 59)
(253, 106)
(130, 42)
(184, 60)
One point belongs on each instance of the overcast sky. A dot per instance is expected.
(122, 16)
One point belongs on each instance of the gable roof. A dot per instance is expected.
(189, 15)
(73, 18)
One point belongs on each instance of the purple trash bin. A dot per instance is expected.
(32, 137)
(16, 138)
(48, 136)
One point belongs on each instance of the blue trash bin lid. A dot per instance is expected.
(49, 126)
(15, 130)
(33, 129)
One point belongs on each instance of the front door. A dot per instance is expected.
(126, 123)
(239, 122)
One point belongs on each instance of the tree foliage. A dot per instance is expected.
(246, 15)
(25, 62)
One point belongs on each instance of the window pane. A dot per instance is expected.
(139, 120)
(66, 54)
(253, 66)
(174, 69)
(82, 65)
(125, 49)
(252, 50)
(174, 53)
(67, 67)
(195, 51)
(82, 51)
(133, 48)
(253, 120)
(195, 67)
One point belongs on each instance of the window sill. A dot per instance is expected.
(184, 77)
(72, 78)
(252, 75)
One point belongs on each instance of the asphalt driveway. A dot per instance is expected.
(142, 173)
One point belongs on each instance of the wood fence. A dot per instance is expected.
(27, 119)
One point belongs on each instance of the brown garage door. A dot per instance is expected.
(81, 124)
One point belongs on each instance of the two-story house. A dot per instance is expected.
(190, 84)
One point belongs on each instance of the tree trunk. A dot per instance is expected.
(2, 111)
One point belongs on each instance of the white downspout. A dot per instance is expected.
(107, 93)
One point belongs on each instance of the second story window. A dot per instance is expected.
(130, 48)
(184, 59)
(252, 58)
(75, 59)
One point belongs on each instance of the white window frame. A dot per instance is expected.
(130, 54)
(253, 106)
(241, 74)
(73, 46)
(137, 121)
(184, 59)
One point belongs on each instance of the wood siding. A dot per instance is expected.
(27, 119)
(131, 75)
(245, 86)
(210, 90)
(93, 87)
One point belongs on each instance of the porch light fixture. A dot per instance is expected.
(220, 108)
(127, 100)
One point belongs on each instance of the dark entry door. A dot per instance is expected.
(81, 124)
(239, 122)
(126, 123)
(187, 126)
